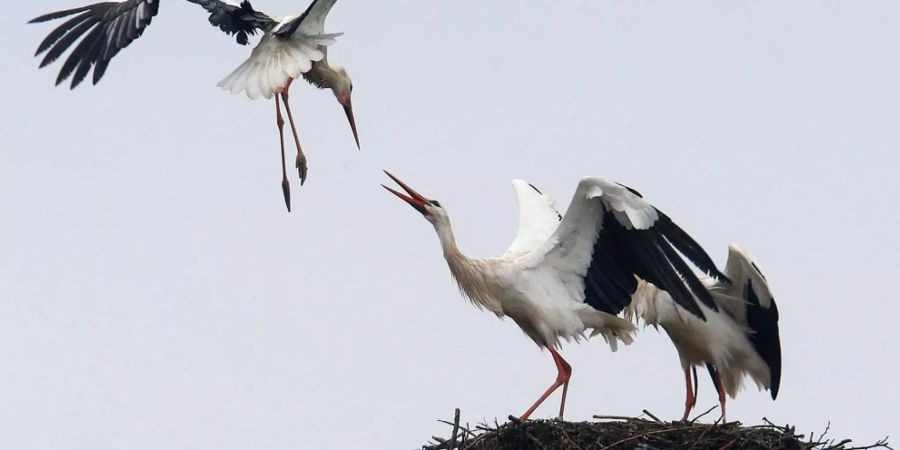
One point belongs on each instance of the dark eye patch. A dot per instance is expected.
(435, 203)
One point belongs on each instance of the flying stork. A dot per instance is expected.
(739, 339)
(563, 275)
(290, 47)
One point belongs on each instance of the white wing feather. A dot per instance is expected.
(570, 248)
(740, 267)
(273, 62)
(314, 23)
(538, 219)
(567, 252)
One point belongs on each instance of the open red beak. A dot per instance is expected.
(348, 109)
(414, 199)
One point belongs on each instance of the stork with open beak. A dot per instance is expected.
(291, 47)
(565, 275)
(739, 339)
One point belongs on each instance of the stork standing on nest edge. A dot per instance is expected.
(291, 47)
(740, 339)
(564, 275)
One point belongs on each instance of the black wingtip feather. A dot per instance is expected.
(620, 254)
(765, 337)
(79, 56)
(66, 41)
(633, 191)
(676, 282)
(688, 247)
(694, 285)
(99, 70)
(59, 14)
(103, 28)
(59, 32)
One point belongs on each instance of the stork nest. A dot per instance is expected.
(624, 433)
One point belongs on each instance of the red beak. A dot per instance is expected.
(348, 109)
(414, 199)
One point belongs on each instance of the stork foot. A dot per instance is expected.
(302, 168)
(286, 189)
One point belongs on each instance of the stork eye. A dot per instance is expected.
(435, 203)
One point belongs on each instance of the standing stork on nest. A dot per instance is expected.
(291, 47)
(740, 338)
(565, 275)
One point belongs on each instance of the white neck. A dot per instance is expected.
(448, 241)
(474, 277)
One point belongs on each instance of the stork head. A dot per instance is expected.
(430, 209)
(342, 87)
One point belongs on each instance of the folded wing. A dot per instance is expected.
(751, 286)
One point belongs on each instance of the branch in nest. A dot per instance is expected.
(619, 433)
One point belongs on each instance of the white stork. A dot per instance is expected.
(290, 47)
(739, 339)
(563, 275)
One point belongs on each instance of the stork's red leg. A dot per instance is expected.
(563, 367)
(301, 158)
(562, 379)
(690, 398)
(717, 381)
(696, 386)
(721, 388)
(285, 186)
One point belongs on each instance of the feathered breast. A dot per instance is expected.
(479, 281)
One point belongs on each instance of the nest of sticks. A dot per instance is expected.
(624, 433)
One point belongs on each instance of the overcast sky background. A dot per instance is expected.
(154, 292)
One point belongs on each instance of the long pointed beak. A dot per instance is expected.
(414, 199)
(348, 109)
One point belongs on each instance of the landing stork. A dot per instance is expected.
(290, 47)
(740, 339)
(564, 275)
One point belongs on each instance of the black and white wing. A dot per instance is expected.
(538, 219)
(106, 28)
(761, 313)
(290, 50)
(240, 21)
(610, 235)
(310, 23)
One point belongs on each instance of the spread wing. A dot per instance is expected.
(310, 23)
(240, 21)
(106, 28)
(609, 236)
(538, 219)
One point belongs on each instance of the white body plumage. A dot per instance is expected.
(275, 61)
(726, 338)
(565, 275)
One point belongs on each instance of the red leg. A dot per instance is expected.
(696, 386)
(721, 388)
(690, 399)
(285, 186)
(562, 379)
(565, 368)
(301, 159)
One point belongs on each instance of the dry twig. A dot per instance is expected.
(625, 433)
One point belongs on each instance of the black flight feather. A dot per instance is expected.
(765, 337)
(106, 28)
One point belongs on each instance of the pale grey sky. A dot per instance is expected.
(155, 294)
